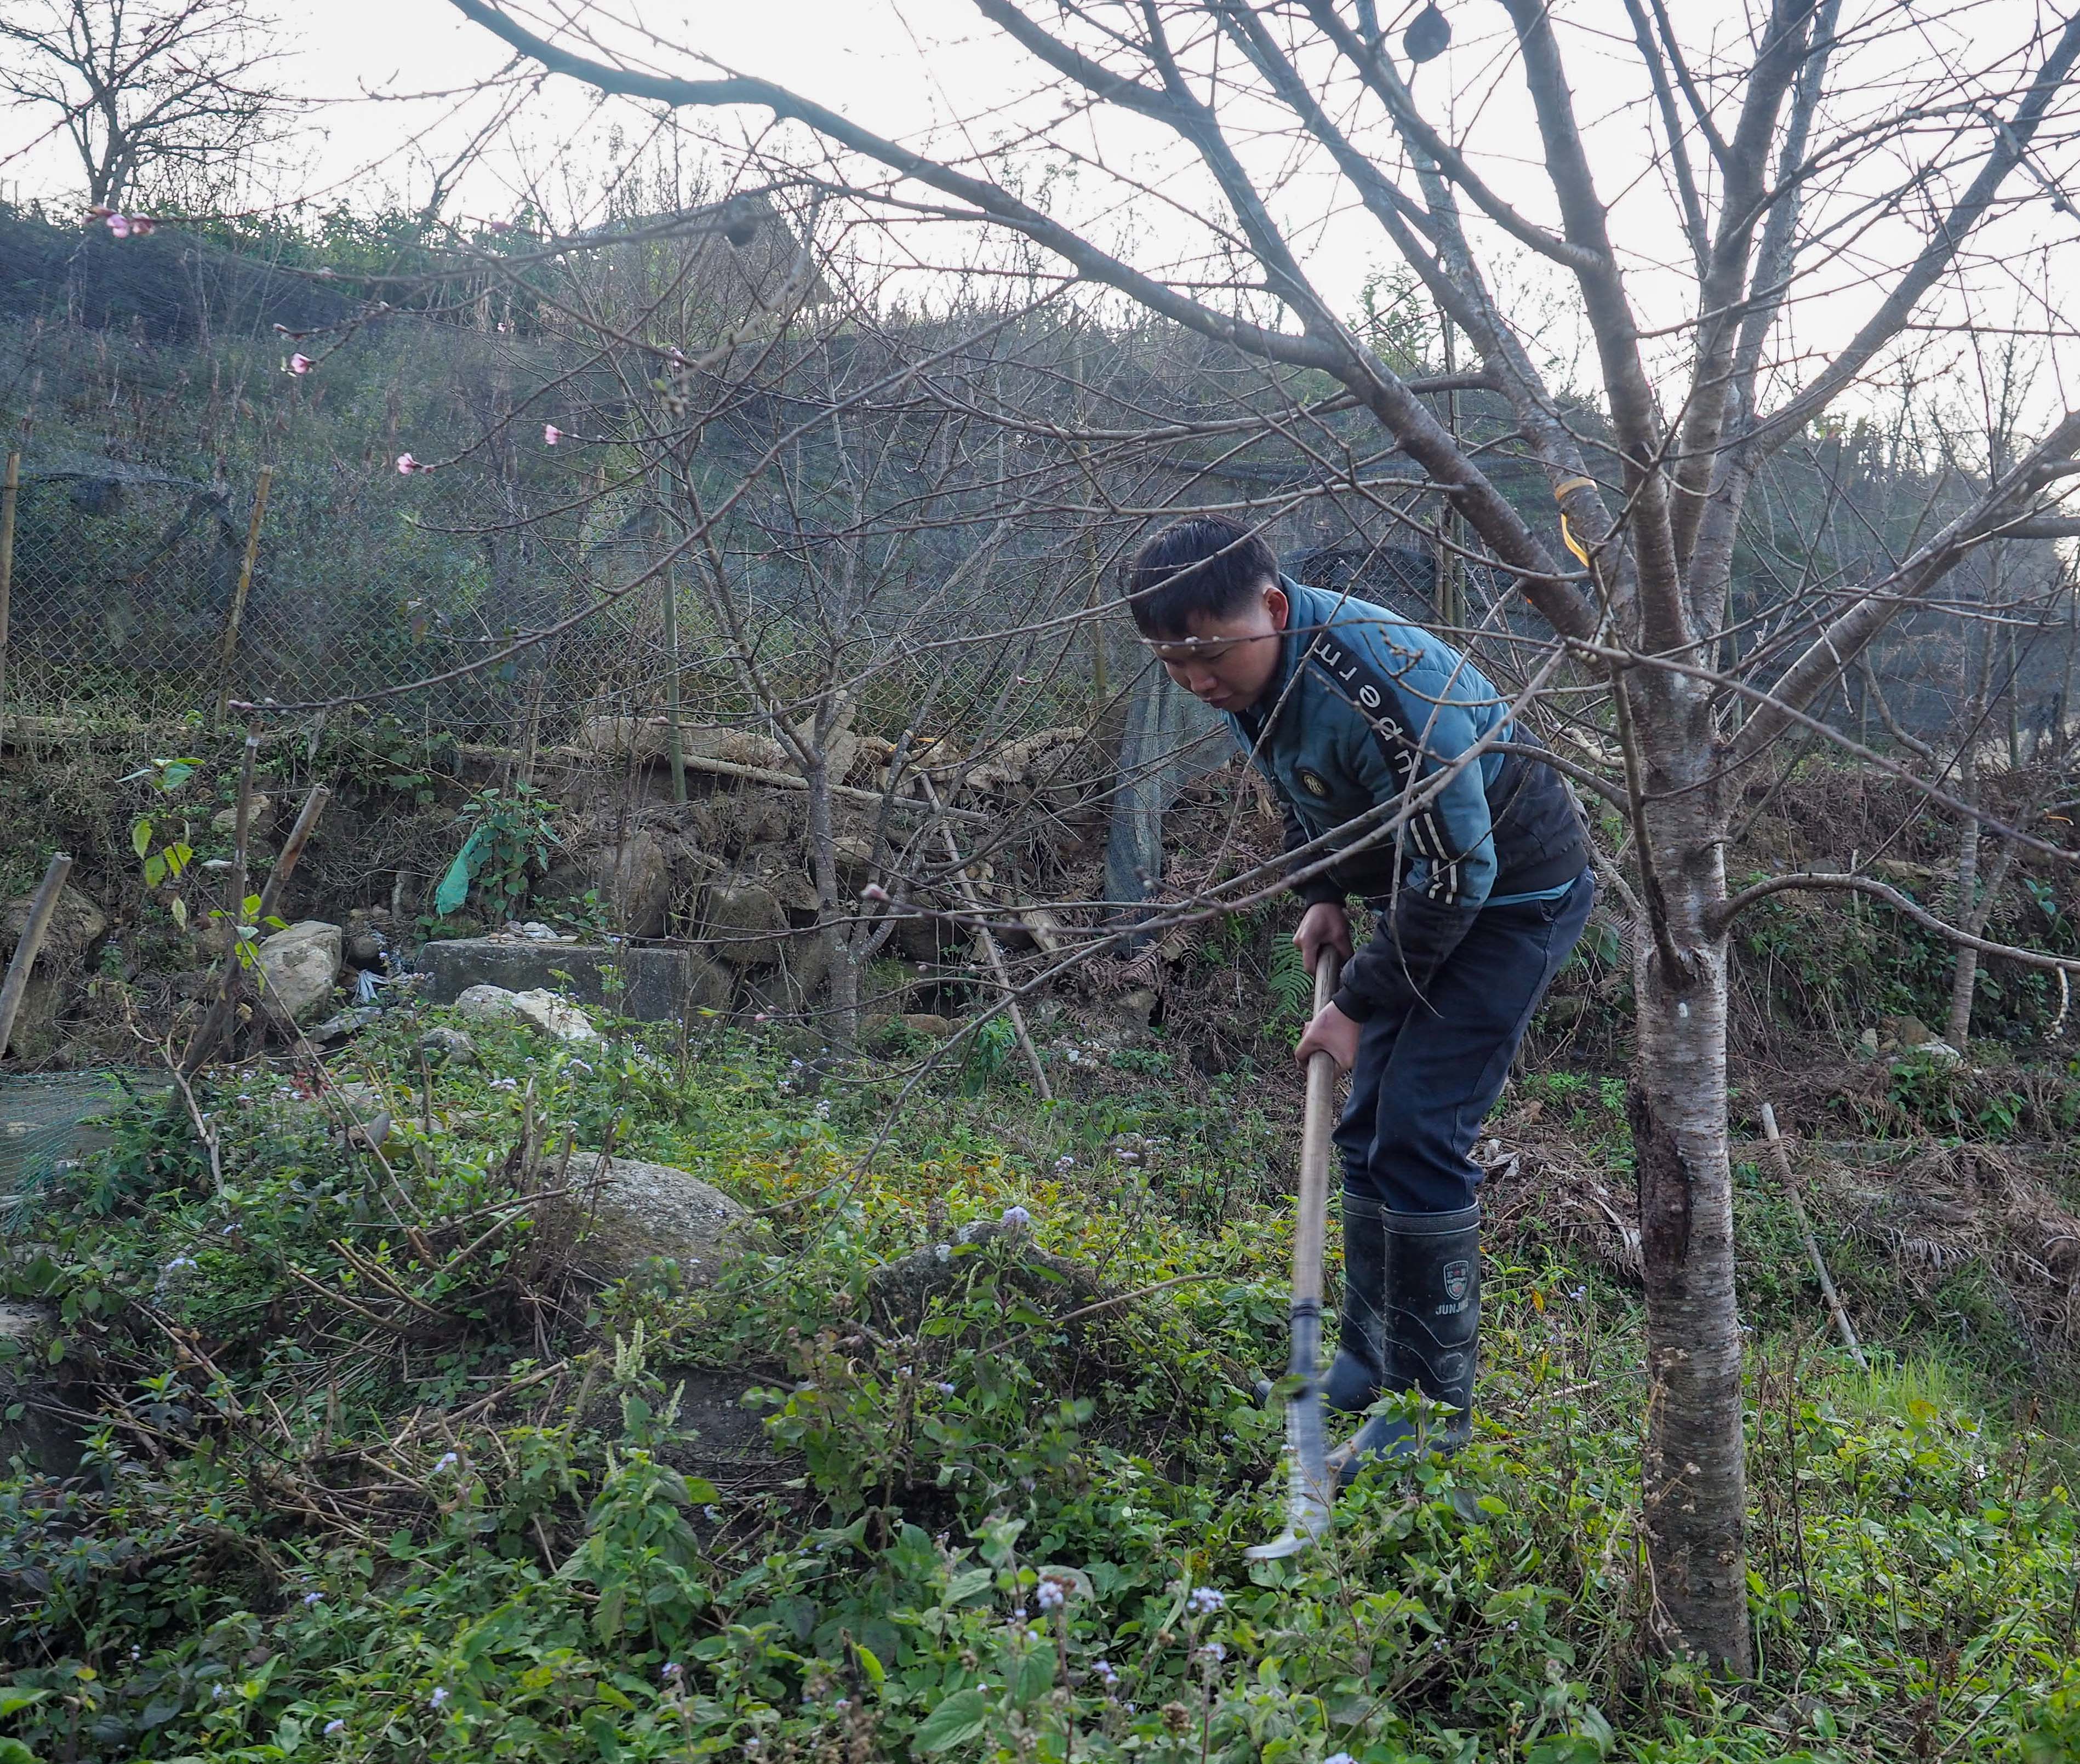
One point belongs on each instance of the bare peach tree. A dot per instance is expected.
(1755, 218)
(158, 98)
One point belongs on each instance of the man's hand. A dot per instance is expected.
(1331, 1033)
(1323, 924)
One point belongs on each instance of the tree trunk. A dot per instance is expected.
(1964, 974)
(1965, 970)
(1693, 1481)
(1693, 1478)
(841, 963)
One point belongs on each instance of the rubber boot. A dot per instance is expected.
(1353, 1384)
(1431, 1321)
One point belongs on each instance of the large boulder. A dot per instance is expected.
(39, 1021)
(634, 876)
(76, 924)
(746, 920)
(298, 967)
(655, 986)
(628, 1211)
(36, 1407)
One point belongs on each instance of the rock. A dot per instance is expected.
(1136, 1006)
(634, 1211)
(744, 919)
(484, 1003)
(634, 877)
(554, 1015)
(260, 812)
(337, 1027)
(441, 1043)
(539, 1008)
(870, 763)
(1903, 1032)
(856, 862)
(808, 963)
(1866, 1043)
(926, 1023)
(654, 985)
(639, 738)
(36, 1033)
(918, 937)
(737, 746)
(1938, 1052)
(298, 967)
(365, 948)
(76, 922)
(29, 1385)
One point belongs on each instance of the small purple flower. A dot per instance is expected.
(945, 1389)
(439, 1699)
(334, 1729)
(1050, 1595)
(1212, 1653)
(1106, 1673)
(314, 1598)
(1340, 1758)
(447, 1460)
(671, 1671)
(1205, 1600)
(1016, 1218)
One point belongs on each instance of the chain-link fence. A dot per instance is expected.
(139, 596)
(132, 600)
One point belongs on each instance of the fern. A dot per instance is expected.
(1291, 988)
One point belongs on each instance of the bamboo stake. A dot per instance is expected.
(220, 1010)
(793, 780)
(44, 904)
(989, 945)
(229, 653)
(1806, 1234)
(674, 741)
(9, 489)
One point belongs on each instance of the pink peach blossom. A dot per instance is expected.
(300, 363)
(408, 465)
(551, 434)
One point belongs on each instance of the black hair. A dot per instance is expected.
(1204, 565)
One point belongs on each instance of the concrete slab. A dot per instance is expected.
(655, 984)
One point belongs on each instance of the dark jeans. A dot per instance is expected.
(1427, 1075)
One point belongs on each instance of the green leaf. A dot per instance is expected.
(967, 1583)
(140, 835)
(14, 1751)
(177, 857)
(155, 870)
(13, 1699)
(872, 1667)
(956, 1720)
(179, 908)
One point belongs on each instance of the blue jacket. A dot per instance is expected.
(1363, 704)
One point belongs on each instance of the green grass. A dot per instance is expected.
(990, 1525)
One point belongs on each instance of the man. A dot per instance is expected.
(1355, 717)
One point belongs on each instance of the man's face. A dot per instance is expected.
(1229, 662)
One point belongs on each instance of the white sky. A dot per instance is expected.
(932, 71)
